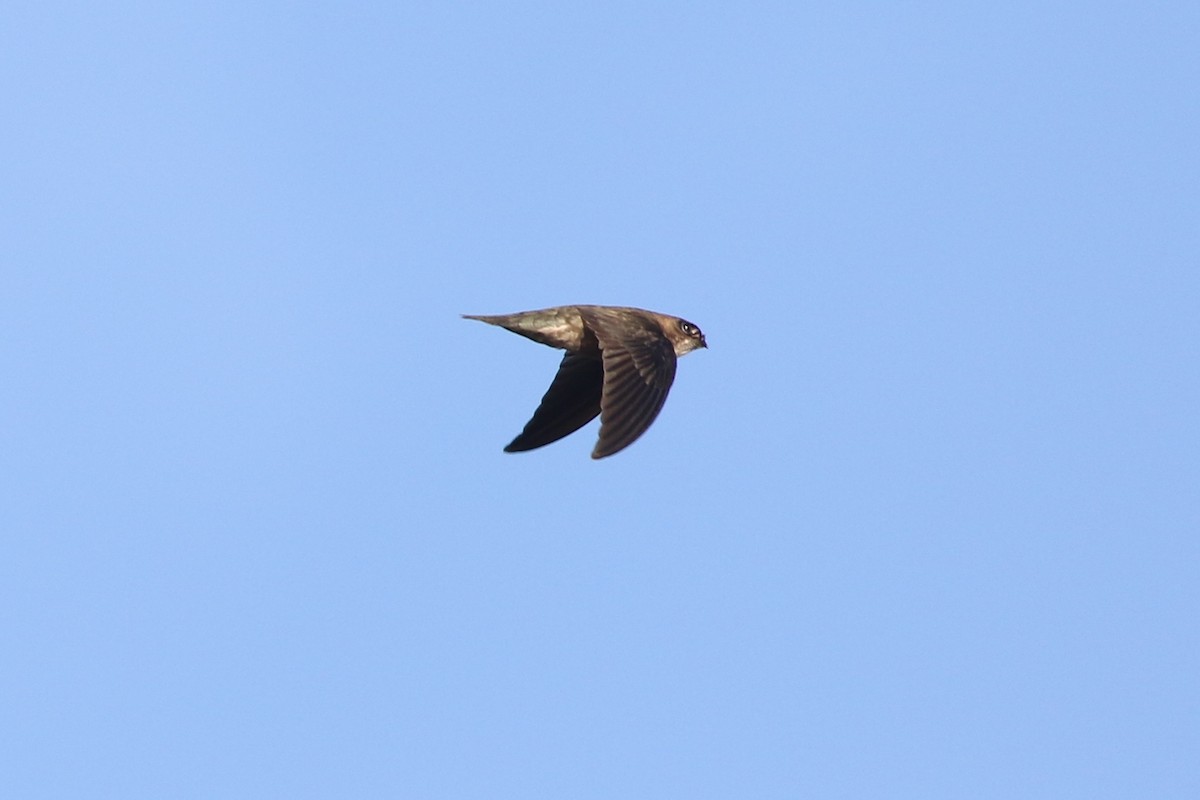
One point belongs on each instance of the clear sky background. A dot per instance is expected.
(921, 523)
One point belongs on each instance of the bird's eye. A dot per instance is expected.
(689, 328)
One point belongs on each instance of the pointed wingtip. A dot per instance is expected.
(598, 454)
(522, 445)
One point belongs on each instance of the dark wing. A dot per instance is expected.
(572, 401)
(639, 367)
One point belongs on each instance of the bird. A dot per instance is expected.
(619, 364)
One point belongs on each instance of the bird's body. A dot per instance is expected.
(620, 364)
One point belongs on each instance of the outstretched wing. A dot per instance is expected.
(639, 367)
(572, 401)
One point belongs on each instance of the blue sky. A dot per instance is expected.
(921, 523)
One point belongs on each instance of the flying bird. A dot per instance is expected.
(620, 363)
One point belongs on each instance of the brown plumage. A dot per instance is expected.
(620, 363)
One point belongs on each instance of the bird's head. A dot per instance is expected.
(686, 336)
